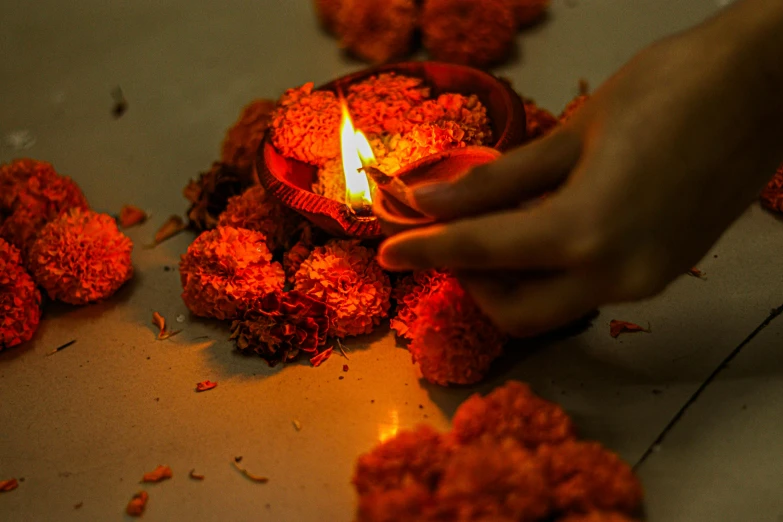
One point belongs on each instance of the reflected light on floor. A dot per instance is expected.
(389, 430)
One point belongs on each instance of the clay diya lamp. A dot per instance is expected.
(393, 202)
(291, 181)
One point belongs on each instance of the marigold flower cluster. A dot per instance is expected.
(345, 275)
(460, 31)
(81, 257)
(521, 461)
(450, 338)
(20, 300)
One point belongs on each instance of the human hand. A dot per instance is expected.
(643, 180)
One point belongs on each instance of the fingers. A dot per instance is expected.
(521, 174)
(533, 238)
(534, 305)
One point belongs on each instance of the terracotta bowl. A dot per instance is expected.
(291, 180)
(397, 214)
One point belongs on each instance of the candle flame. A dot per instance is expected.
(356, 153)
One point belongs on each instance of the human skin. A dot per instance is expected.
(641, 182)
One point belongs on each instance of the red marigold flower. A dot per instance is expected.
(491, 480)
(586, 477)
(452, 340)
(573, 106)
(408, 292)
(528, 12)
(209, 194)
(512, 410)
(13, 177)
(772, 194)
(410, 503)
(539, 121)
(280, 325)
(42, 196)
(81, 257)
(20, 300)
(225, 270)
(377, 30)
(243, 138)
(418, 456)
(305, 125)
(469, 32)
(383, 103)
(346, 276)
(326, 11)
(257, 210)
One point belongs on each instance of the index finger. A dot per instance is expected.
(520, 239)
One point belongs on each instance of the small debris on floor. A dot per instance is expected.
(120, 103)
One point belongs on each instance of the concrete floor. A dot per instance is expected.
(83, 425)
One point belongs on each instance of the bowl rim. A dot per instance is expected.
(325, 208)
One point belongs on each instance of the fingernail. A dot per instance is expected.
(432, 194)
(390, 259)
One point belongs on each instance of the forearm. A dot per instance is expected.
(751, 32)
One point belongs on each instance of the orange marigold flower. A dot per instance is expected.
(346, 276)
(573, 106)
(491, 480)
(81, 257)
(539, 121)
(257, 210)
(209, 194)
(305, 125)
(772, 194)
(468, 32)
(418, 456)
(585, 476)
(410, 503)
(377, 30)
(326, 11)
(466, 111)
(243, 138)
(42, 196)
(20, 300)
(528, 12)
(452, 340)
(512, 410)
(280, 325)
(383, 103)
(13, 177)
(225, 270)
(408, 292)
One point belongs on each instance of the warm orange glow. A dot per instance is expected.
(356, 153)
(390, 429)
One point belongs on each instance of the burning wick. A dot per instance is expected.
(357, 154)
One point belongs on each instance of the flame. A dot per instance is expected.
(356, 153)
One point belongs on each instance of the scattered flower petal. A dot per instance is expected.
(137, 504)
(173, 226)
(321, 357)
(131, 215)
(255, 478)
(158, 474)
(195, 476)
(618, 327)
(8, 485)
(205, 385)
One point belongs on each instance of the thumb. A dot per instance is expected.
(522, 174)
